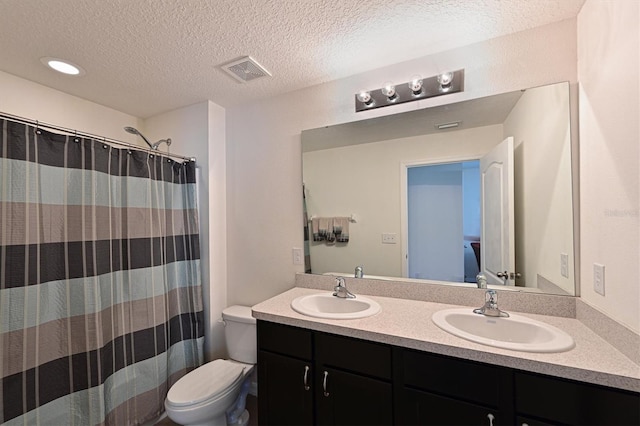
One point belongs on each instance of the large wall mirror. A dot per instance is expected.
(429, 194)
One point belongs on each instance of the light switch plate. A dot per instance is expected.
(389, 238)
(298, 256)
(564, 265)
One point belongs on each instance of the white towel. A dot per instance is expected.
(322, 229)
(341, 229)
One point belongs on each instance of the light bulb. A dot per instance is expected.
(445, 80)
(415, 84)
(64, 67)
(389, 90)
(364, 97)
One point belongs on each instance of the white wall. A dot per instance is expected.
(539, 124)
(264, 191)
(608, 72)
(198, 131)
(350, 179)
(34, 101)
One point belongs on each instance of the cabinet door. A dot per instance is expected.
(424, 408)
(285, 397)
(344, 398)
(562, 401)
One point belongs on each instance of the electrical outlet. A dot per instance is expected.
(598, 278)
(389, 238)
(298, 256)
(564, 265)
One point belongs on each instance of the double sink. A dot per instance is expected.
(515, 332)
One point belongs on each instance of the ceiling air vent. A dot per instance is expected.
(245, 69)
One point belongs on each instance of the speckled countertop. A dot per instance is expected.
(407, 323)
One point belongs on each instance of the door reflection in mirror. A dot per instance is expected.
(443, 208)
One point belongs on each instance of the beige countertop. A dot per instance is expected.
(407, 323)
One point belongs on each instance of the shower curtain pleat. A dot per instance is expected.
(306, 224)
(100, 288)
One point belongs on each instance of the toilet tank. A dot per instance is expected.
(240, 334)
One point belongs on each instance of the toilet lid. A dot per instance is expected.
(205, 382)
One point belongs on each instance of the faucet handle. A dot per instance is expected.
(491, 297)
(359, 272)
(481, 279)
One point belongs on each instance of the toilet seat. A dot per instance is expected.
(197, 386)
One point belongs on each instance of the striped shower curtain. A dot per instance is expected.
(100, 293)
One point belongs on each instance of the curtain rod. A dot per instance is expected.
(73, 132)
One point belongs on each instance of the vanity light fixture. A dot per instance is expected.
(415, 85)
(62, 66)
(364, 97)
(416, 89)
(445, 80)
(389, 90)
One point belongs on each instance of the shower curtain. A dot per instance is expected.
(305, 221)
(100, 293)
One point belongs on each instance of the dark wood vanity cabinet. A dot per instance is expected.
(548, 400)
(307, 377)
(353, 381)
(439, 390)
(285, 375)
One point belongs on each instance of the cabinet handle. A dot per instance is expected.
(306, 378)
(491, 417)
(324, 383)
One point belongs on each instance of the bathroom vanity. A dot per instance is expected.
(397, 367)
(346, 381)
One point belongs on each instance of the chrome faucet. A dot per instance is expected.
(490, 307)
(340, 290)
(481, 280)
(359, 272)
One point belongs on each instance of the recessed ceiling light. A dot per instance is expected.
(62, 66)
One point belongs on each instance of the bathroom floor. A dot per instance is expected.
(252, 407)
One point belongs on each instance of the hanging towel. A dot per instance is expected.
(322, 228)
(329, 235)
(315, 229)
(341, 229)
(330, 229)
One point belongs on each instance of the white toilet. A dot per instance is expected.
(203, 396)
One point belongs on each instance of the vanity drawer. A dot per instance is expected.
(416, 407)
(464, 380)
(285, 340)
(574, 403)
(358, 356)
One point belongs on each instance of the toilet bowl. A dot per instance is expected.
(203, 396)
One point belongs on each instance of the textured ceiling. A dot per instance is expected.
(144, 57)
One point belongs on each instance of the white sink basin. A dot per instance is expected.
(515, 332)
(326, 305)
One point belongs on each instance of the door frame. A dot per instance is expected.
(404, 199)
